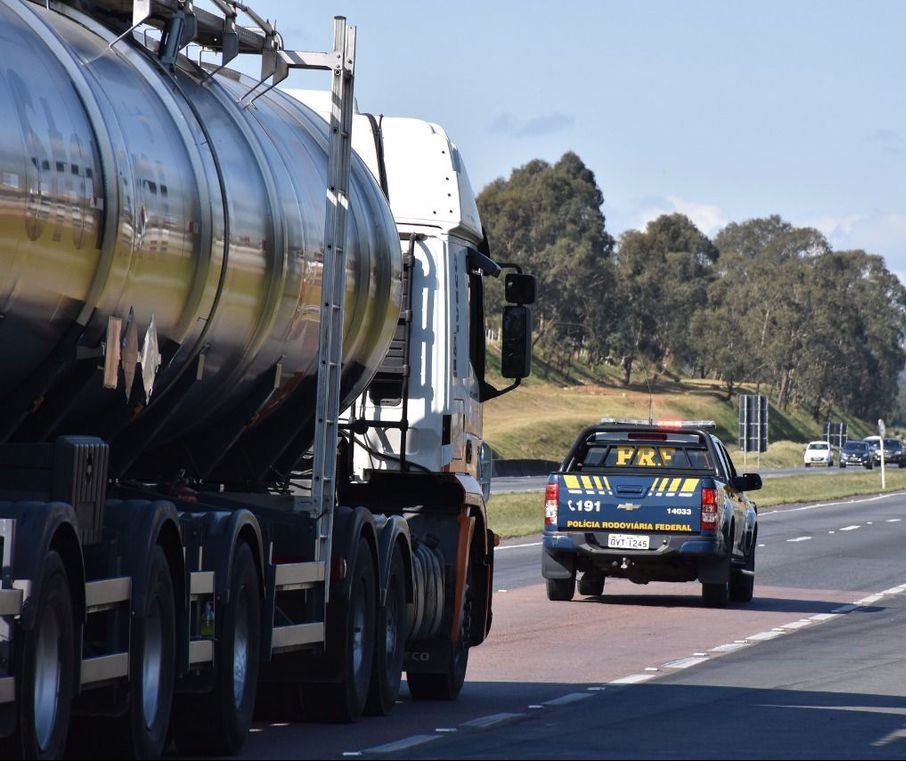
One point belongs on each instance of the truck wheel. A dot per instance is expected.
(389, 644)
(446, 685)
(591, 584)
(716, 595)
(152, 665)
(561, 590)
(742, 585)
(219, 721)
(45, 658)
(355, 619)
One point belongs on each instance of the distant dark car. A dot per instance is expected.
(894, 454)
(856, 453)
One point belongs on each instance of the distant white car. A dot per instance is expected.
(818, 453)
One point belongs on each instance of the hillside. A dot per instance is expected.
(540, 419)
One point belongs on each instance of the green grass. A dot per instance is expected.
(513, 515)
(540, 419)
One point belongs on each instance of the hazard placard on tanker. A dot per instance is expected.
(650, 501)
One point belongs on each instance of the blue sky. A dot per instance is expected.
(721, 110)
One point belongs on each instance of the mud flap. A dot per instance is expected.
(714, 570)
(559, 566)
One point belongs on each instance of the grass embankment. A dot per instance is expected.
(523, 514)
(540, 420)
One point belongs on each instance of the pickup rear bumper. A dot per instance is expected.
(672, 557)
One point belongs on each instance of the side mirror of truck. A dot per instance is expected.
(519, 288)
(747, 482)
(516, 342)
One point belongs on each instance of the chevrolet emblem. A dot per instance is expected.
(628, 506)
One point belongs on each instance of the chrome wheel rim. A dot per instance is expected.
(358, 633)
(241, 649)
(48, 670)
(151, 664)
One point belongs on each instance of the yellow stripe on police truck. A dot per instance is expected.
(572, 484)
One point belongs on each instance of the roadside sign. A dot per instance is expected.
(835, 434)
(753, 423)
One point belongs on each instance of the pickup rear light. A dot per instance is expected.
(551, 496)
(709, 508)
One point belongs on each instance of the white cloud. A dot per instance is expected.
(548, 124)
(882, 233)
(708, 218)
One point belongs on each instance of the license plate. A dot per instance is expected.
(627, 542)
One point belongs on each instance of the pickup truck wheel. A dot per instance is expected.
(742, 585)
(561, 590)
(716, 595)
(591, 584)
(45, 656)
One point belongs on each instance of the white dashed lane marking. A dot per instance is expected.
(398, 745)
(800, 539)
(495, 719)
(572, 697)
(850, 528)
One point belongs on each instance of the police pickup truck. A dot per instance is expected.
(650, 501)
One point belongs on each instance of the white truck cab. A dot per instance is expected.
(437, 385)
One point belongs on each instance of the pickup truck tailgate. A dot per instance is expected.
(629, 504)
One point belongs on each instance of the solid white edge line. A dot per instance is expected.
(633, 679)
(516, 546)
(873, 498)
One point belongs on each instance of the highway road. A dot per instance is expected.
(814, 667)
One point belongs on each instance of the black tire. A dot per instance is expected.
(591, 584)
(870, 466)
(808, 465)
(389, 643)
(355, 620)
(830, 464)
(842, 465)
(152, 666)
(742, 585)
(447, 684)
(44, 666)
(561, 590)
(716, 595)
(218, 722)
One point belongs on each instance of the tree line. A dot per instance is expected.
(764, 302)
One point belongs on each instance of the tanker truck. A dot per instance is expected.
(240, 390)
